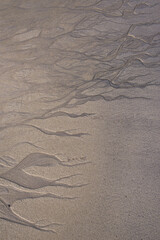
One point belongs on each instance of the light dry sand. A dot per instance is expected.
(79, 120)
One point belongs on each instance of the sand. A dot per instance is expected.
(79, 120)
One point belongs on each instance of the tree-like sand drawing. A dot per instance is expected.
(58, 58)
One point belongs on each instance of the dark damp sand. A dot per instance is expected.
(79, 120)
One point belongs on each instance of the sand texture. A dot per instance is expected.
(79, 120)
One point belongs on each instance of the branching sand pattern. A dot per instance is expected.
(57, 56)
(16, 175)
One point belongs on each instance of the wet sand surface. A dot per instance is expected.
(79, 120)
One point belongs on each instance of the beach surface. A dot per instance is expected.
(79, 120)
